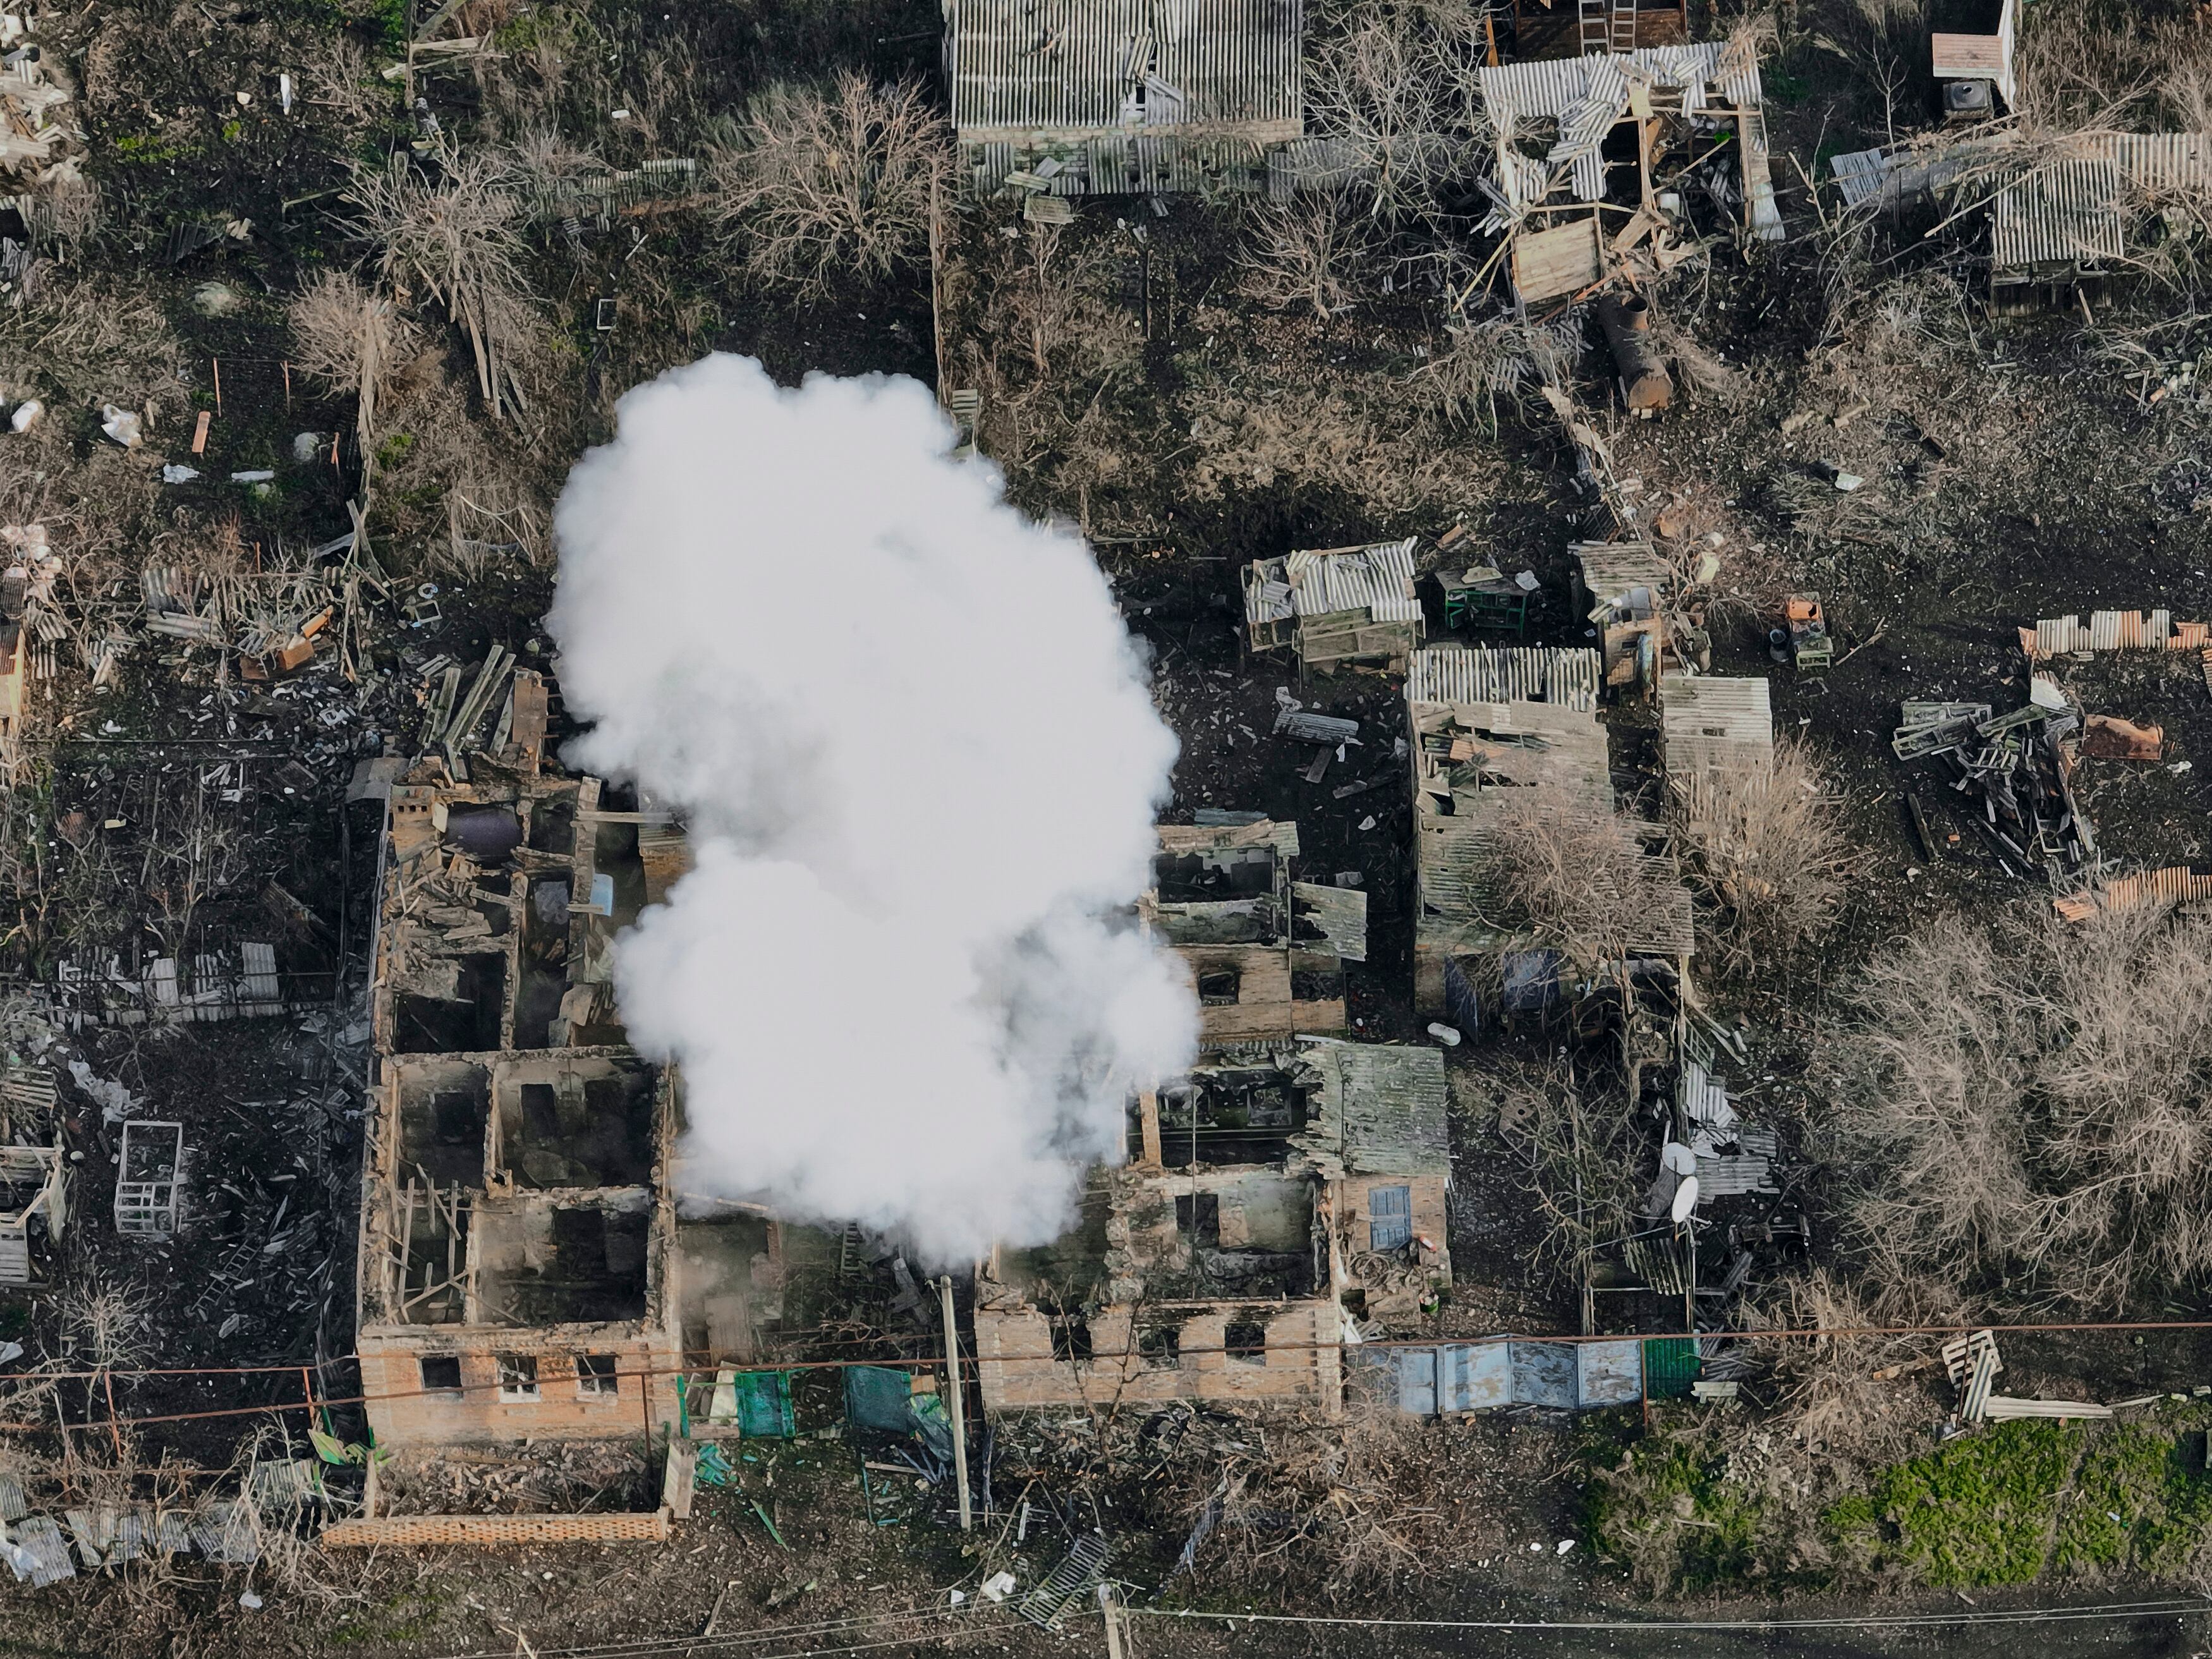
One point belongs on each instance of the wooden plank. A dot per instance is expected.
(1565, 260)
(494, 1530)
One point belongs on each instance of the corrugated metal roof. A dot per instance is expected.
(1710, 724)
(1550, 88)
(2119, 630)
(1072, 65)
(1377, 579)
(1563, 675)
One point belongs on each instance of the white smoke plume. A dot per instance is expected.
(920, 765)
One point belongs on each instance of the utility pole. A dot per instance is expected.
(959, 1406)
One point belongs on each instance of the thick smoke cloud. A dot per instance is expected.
(920, 765)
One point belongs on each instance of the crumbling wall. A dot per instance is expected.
(406, 1413)
(1298, 1367)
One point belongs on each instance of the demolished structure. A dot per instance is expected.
(2062, 214)
(1265, 952)
(1115, 97)
(1699, 106)
(1342, 606)
(1273, 1192)
(1487, 776)
(523, 1272)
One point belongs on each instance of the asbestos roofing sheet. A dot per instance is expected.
(1377, 579)
(1069, 64)
(2067, 213)
(1711, 723)
(1565, 677)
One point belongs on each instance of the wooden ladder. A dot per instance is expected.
(1624, 25)
(1594, 22)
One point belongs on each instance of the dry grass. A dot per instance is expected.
(1359, 1504)
(88, 340)
(1462, 383)
(831, 182)
(2025, 1103)
(1838, 1394)
(1764, 853)
(458, 239)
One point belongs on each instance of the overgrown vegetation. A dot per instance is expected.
(1696, 1506)
(2024, 1102)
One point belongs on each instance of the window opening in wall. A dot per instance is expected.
(1198, 1218)
(441, 1373)
(518, 1377)
(1071, 1337)
(595, 1375)
(1160, 1346)
(1390, 1218)
(1245, 1342)
(1216, 988)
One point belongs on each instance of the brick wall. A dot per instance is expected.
(1301, 1367)
(403, 1414)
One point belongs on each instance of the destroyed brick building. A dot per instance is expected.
(524, 1272)
(1272, 1193)
(1105, 97)
(1266, 952)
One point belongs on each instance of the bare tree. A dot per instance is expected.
(1302, 252)
(1570, 872)
(459, 238)
(830, 181)
(1396, 86)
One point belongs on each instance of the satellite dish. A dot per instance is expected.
(1678, 1157)
(1685, 1200)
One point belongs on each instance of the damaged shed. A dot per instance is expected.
(1342, 606)
(1557, 158)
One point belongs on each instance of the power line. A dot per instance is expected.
(680, 1645)
(1859, 1621)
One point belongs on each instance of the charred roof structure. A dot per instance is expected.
(1266, 952)
(1111, 97)
(1271, 1192)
